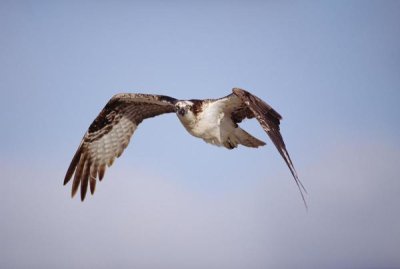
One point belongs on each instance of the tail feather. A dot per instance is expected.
(247, 139)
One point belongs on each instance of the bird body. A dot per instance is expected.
(216, 121)
(214, 125)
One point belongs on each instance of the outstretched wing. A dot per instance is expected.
(252, 106)
(109, 135)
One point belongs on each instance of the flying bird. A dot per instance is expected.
(213, 120)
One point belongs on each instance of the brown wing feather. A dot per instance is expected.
(109, 135)
(269, 119)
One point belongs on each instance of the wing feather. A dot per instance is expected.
(109, 135)
(269, 120)
(92, 184)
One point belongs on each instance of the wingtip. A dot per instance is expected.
(73, 193)
(286, 157)
(92, 185)
(303, 198)
(296, 177)
(83, 193)
(68, 175)
(299, 184)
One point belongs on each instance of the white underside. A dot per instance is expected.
(215, 126)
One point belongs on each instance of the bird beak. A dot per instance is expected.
(181, 111)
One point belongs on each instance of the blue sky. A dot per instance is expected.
(331, 68)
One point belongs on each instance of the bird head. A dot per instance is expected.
(183, 108)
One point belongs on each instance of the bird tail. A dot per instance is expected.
(247, 139)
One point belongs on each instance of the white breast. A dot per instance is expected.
(211, 124)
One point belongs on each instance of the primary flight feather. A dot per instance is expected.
(213, 120)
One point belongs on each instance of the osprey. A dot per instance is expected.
(213, 120)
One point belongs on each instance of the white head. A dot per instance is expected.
(184, 110)
(182, 107)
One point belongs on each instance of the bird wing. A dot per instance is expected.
(109, 135)
(247, 105)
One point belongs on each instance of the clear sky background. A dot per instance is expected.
(331, 68)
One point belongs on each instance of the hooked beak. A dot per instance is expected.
(182, 111)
